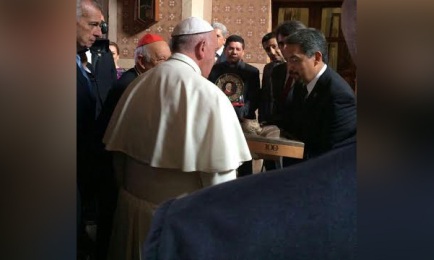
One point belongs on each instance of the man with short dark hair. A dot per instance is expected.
(269, 43)
(246, 79)
(325, 114)
(285, 29)
(281, 81)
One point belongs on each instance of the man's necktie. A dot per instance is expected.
(287, 89)
(83, 71)
(304, 92)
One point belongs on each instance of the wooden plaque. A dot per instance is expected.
(273, 148)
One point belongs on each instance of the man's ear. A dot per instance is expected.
(318, 57)
(200, 50)
(141, 62)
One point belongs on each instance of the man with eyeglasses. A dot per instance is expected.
(325, 106)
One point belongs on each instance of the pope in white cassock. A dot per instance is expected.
(173, 132)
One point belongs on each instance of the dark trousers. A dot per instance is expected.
(106, 197)
(97, 203)
(107, 201)
(271, 165)
(245, 169)
(286, 162)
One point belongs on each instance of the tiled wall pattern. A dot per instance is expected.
(169, 14)
(249, 19)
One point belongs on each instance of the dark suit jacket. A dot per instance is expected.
(281, 109)
(86, 107)
(221, 58)
(278, 77)
(104, 71)
(327, 118)
(307, 211)
(89, 104)
(266, 95)
(250, 77)
(112, 99)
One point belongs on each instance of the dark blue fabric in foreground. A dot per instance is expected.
(307, 211)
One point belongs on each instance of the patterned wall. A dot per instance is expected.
(249, 19)
(129, 32)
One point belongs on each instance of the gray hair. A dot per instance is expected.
(222, 27)
(310, 41)
(186, 43)
(79, 6)
(142, 51)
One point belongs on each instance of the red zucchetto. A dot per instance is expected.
(149, 38)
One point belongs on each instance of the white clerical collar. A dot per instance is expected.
(184, 58)
(312, 83)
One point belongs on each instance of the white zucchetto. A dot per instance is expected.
(192, 25)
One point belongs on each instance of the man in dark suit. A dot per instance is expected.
(102, 71)
(281, 81)
(96, 186)
(269, 43)
(325, 106)
(88, 31)
(245, 80)
(151, 50)
(277, 87)
(221, 32)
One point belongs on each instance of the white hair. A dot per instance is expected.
(142, 51)
(222, 27)
(79, 11)
(79, 7)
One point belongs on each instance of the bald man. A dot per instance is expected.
(173, 132)
(151, 50)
